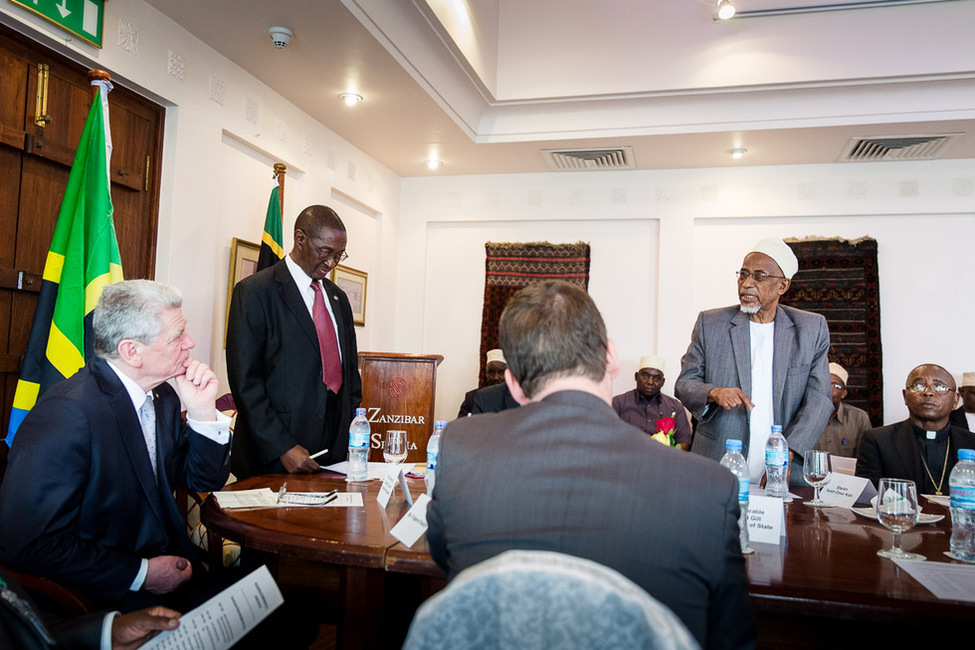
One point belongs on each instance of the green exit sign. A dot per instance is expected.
(83, 18)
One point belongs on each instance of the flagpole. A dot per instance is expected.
(97, 75)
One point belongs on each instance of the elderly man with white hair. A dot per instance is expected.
(756, 364)
(649, 410)
(842, 434)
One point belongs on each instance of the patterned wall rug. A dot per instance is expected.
(838, 278)
(512, 266)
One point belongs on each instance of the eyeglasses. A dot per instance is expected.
(760, 276)
(920, 387)
(327, 255)
(838, 386)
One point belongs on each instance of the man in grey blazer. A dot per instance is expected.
(563, 473)
(757, 364)
(294, 375)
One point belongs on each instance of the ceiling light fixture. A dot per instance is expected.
(737, 152)
(433, 163)
(725, 9)
(351, 99)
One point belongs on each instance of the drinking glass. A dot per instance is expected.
(394, 446)
(897, 510)
(815, 469)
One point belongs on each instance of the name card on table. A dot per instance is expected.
(843, 491)
(394, 473)
(414, 522)
(765, 519)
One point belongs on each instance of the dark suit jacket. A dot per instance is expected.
(467, 406)
(17, 632)
(958, 418)
(720, 355)
(892, 452)
(275, 371)
(493, 399)
(566, 474)
(79, 503)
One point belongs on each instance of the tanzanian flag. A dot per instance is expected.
(272, 250)
(83, 259)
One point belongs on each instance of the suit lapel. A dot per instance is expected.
(741, 346)
(907, 453)
(293, 301)
(783, 349)
(129, 430)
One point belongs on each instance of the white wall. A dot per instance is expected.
(665, 246)
(224, 130)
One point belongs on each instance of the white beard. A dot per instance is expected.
(750, 310)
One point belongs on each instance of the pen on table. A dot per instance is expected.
(323, 451)
(333, 495)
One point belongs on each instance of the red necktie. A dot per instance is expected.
(327, 343)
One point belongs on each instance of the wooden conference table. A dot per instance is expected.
(822, 585)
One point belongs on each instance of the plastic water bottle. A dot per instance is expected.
(359, 447)
(961, 486)
(433, 452)
(777, 464)
(736, 464)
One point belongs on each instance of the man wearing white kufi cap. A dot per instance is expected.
(645, 405)
(494, 367)
(964, 415)
(843, 431)
(756, 364)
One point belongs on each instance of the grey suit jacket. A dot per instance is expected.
(720, 355)
(566, 474)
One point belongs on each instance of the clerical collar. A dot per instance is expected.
(931, 435)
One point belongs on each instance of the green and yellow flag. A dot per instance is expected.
(82, 260)
(272, 249)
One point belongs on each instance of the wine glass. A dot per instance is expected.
(897, 510)
(394, 446)
(816, 467)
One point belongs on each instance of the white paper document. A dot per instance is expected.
(943, 579)
(223, 620)
(266, 498)
(376, 470)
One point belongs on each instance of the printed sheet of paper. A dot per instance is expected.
(259, 498)
(223, 620)
(943, 579)
(376, 470)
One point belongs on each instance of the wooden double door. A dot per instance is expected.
(44, 102)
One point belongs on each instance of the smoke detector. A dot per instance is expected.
(280, 36)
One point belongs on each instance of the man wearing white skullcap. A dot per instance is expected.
(494, 368)
(843, 431)
(964, 415)
(756, 364)
(649, 410)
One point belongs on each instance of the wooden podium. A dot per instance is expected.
(399, 392)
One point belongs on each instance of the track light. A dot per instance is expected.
(351, 99)
(725, 9)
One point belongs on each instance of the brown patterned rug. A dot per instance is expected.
(512, 266)
(838, 278)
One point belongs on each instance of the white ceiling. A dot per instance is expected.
(486, 84)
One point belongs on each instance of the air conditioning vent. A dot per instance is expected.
(901, 147)
(601, 159)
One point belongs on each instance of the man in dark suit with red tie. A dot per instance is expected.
(292, 359)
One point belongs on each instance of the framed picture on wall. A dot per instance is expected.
(353, 283)
(243, 262)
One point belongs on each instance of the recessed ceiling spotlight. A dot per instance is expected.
(433, 163)
(737, 152)
(351, 99)
(725, 9)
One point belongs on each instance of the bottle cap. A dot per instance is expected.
(360, 411)
(966, 454)
(733, 445)
(777, 427)
(439, 424)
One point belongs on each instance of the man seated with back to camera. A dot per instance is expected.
(924, 447)
(563, 473)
